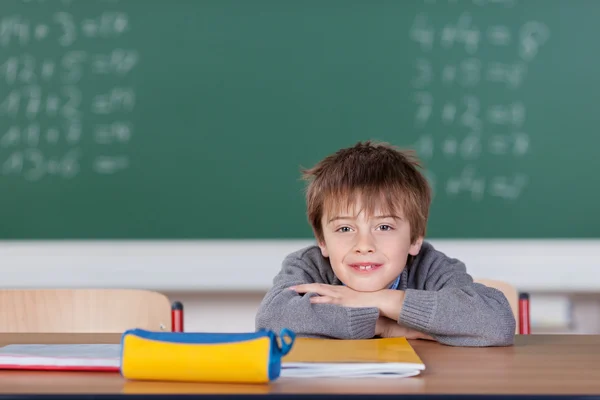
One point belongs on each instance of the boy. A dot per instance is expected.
(371, 274)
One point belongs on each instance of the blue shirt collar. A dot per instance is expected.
(396, 283)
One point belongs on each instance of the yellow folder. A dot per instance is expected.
(351, 358)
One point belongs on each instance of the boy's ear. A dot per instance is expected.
(415, 247)
(323, 248)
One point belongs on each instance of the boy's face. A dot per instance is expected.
(367, 254)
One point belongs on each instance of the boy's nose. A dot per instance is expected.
(364, 245)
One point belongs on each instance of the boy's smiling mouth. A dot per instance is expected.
(365, 266)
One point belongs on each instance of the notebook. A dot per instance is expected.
(73, 357)
(330, 358)
(309, 358)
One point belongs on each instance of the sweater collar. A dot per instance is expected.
(401, 281)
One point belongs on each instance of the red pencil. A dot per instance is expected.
(524, 328)
(177, 317)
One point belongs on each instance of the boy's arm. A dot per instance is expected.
(388, 328)
(453, 309)
(285, 308)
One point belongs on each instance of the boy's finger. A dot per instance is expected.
(307, 287)
(320, 299)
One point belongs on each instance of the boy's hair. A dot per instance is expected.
(377, 174)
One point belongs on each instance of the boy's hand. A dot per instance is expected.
(389, 302)
(387, 328)
(337, 294)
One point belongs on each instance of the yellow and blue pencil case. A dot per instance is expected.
(204, 357)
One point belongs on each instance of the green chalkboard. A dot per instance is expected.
(190, 119)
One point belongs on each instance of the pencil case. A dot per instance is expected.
(204, 357)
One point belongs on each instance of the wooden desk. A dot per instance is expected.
(537, 364)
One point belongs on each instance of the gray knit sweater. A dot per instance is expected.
(441, 300)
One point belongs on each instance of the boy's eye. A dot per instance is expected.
(385, 227)
(344, 229)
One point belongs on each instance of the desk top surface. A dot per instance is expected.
(536, 364)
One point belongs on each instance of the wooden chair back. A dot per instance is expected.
(83, 310)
